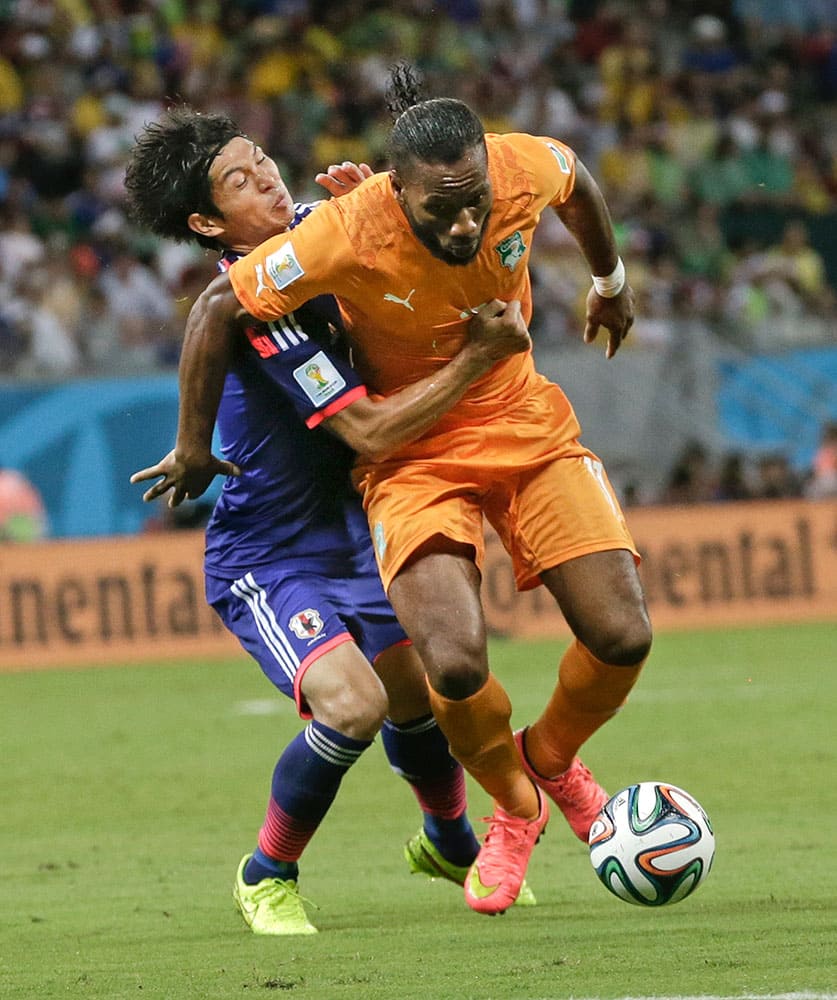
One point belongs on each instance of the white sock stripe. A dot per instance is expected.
(274, 638)
(424, 726)
(329, 750)
(326, 747)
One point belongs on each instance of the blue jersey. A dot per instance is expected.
(293, 498)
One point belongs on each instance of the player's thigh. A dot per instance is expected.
(364, 607)
(601, 597)
(436, 596)
(403, 676)
(343, 691)
(288, 622)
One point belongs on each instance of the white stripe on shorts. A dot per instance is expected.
(269, 629)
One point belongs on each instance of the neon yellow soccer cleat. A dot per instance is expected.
(272, 906)
(423, 858)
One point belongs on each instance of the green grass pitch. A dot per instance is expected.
(129, 795)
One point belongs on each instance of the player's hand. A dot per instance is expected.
(498, 330)
(341, 178)
(616, 315)
(186, 479)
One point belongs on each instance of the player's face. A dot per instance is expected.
(250, 194)
(447, 205)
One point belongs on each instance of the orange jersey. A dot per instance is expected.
(508, 450)
(406, 311)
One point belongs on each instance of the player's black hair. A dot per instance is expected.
(439, 130)
(167, 177)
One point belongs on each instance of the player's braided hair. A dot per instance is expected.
(167, 177)
(440, 130)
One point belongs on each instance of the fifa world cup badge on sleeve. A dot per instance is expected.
(283, 267)
(319, 379)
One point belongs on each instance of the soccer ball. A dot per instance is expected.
(652, 844)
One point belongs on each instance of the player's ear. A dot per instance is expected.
(397, 184)
(205, 225)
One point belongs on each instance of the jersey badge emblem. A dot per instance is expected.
(319, 379)
(282, 266)
(511, 250)
(306, 624)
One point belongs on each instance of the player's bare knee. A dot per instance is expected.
(621, 640)
(352, 701)
(458, 680)
(457, 671)
(622, 644)
(456, 663)
(356, 714)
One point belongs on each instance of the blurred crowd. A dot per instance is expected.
(698, 476)
(710, 127)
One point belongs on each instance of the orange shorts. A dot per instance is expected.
(525, 471)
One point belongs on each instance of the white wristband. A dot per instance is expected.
(611, 284)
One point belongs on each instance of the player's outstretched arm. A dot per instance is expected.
(190, 468)
(586, 215)
(375, 427)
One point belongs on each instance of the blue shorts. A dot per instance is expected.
(289, 615)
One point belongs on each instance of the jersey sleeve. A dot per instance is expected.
(553, 164)
(316, 379)
(293, 267)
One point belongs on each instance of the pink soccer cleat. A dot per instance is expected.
(494, 879)
(576, 792)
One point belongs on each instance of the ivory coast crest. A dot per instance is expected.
(511, 250)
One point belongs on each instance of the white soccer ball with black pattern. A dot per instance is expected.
(652, 844)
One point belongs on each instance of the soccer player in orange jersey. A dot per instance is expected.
(411, 254)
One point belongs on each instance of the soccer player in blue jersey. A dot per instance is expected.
(289, 563)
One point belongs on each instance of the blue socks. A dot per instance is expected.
(418, 751)
(260, 866)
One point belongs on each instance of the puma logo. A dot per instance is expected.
(260, 285)
(389, 297)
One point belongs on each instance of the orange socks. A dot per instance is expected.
(587, 694)
(477, 729)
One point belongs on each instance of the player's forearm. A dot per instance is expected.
(587, 217)
(375, 428)
(207, 345)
